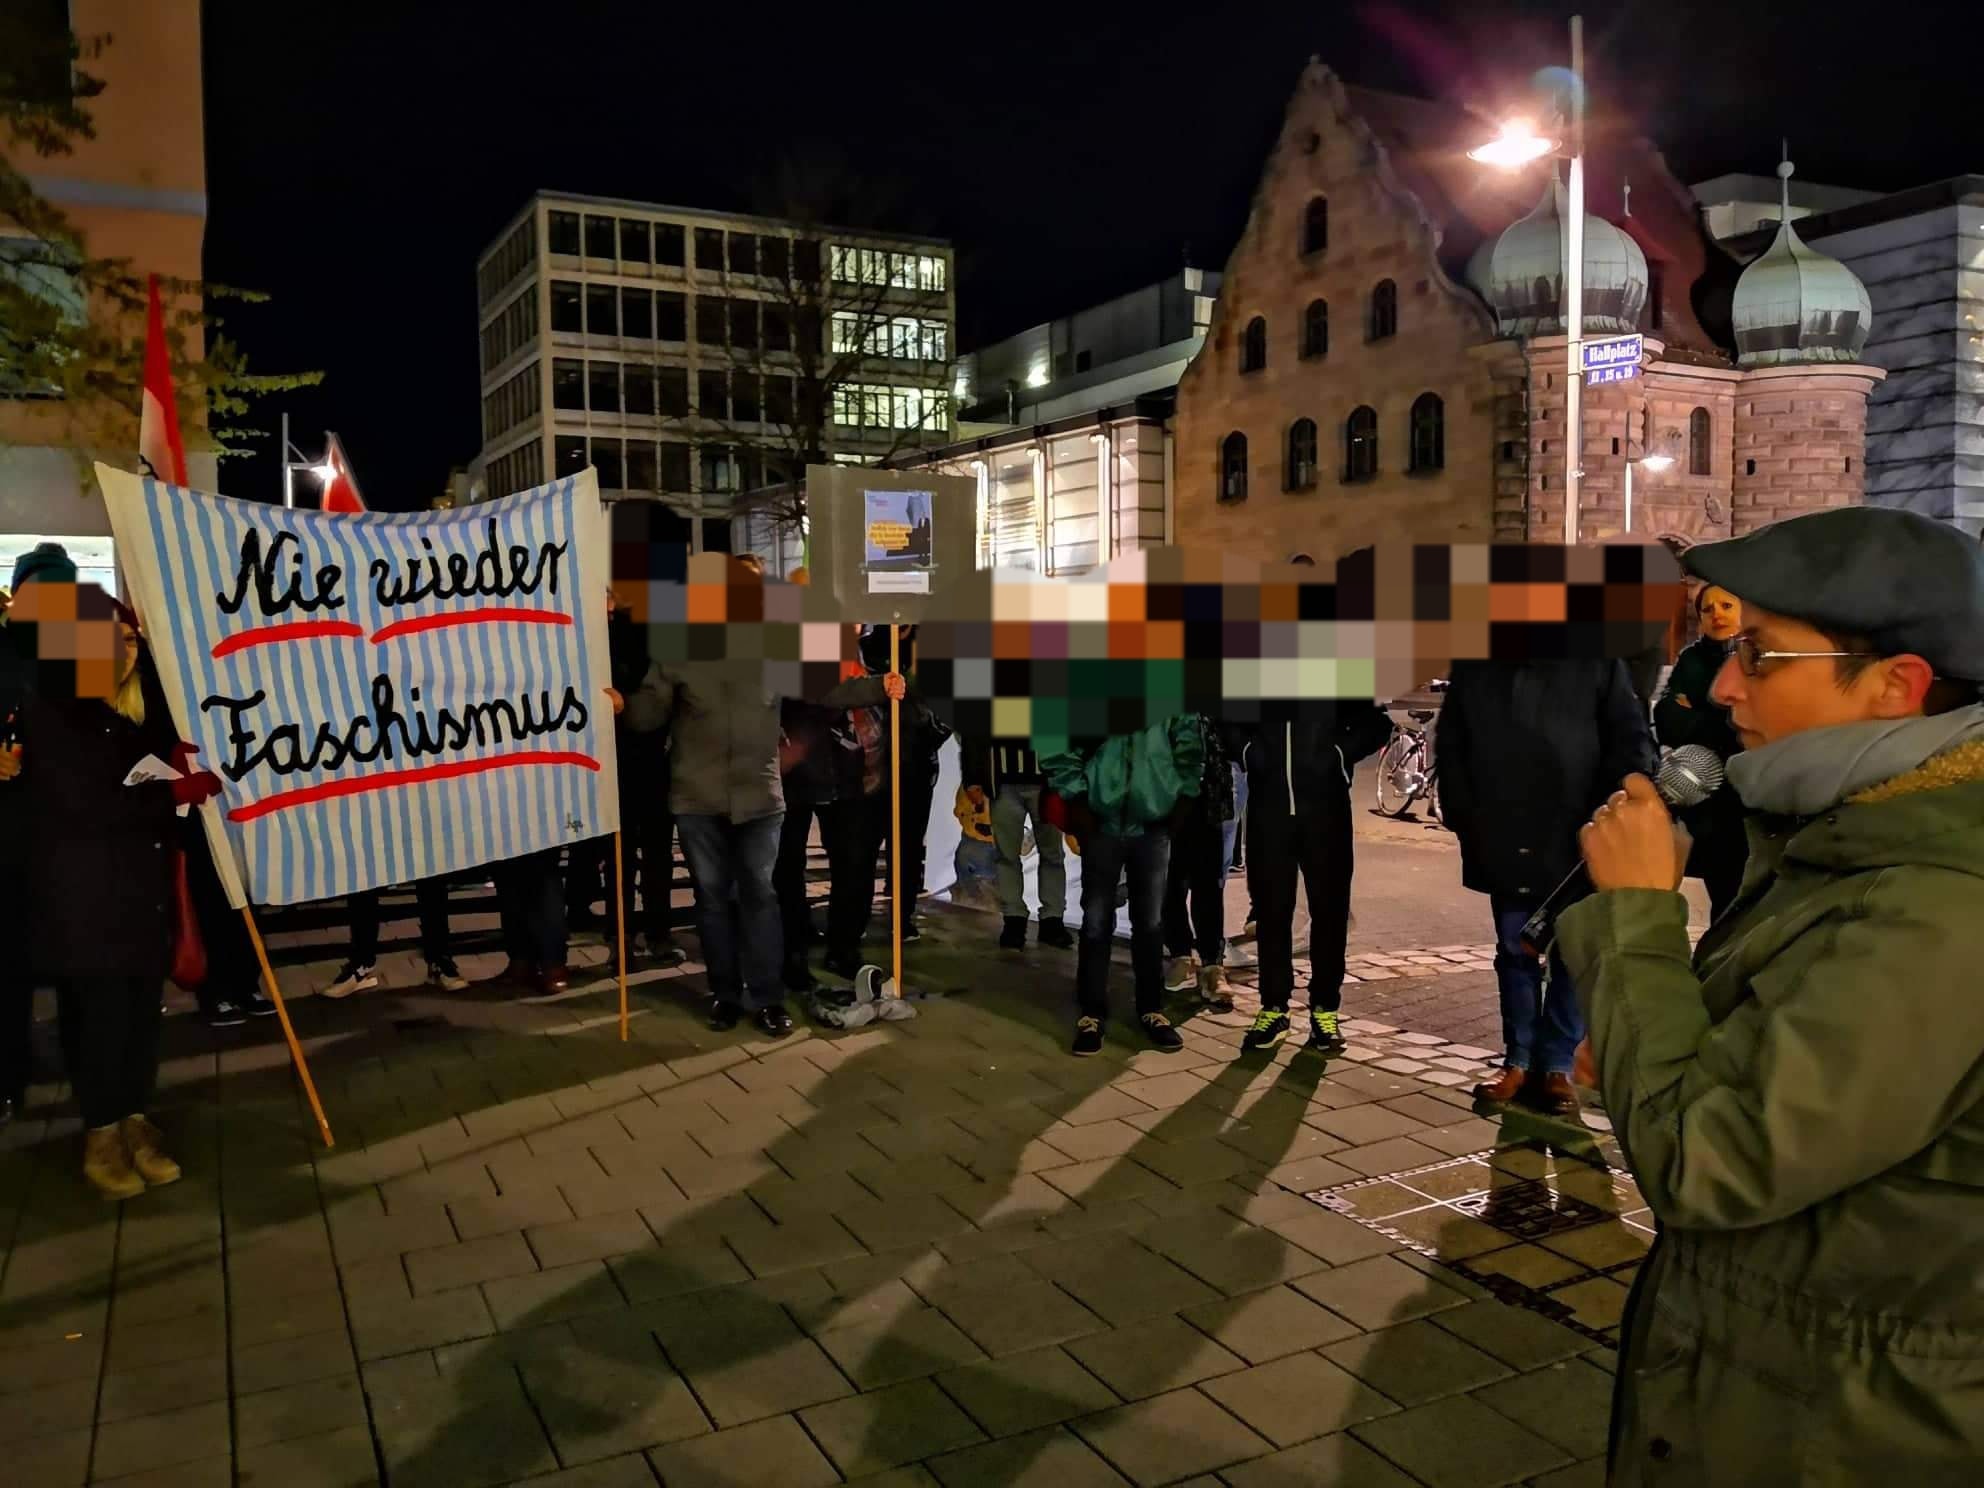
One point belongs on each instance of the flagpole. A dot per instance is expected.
(288, 475)
(288, 1032)
(620, 921)
(895, 805)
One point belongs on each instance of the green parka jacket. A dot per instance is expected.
(1802, 1104)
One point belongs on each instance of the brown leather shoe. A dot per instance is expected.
(553, 979)
(1504, 1088)
(1554, 1095)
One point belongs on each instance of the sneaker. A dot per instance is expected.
(223, 1013)
(910, 932)
(1270, 1028)
(1158, 1029)
(1088, 1037)
(1325, 1037)
(1056, 934)
(1181, 972)
(1212, 990)
(662, 950)
(443, 973)
(1241, 957)
(353, 978)
(1013, 937)
(255, 1005)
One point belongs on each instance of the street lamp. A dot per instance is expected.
(293, 460)
(1517, 145)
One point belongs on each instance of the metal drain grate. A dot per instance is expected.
(1530, 1211)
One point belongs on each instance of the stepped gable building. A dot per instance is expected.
(1386, 358)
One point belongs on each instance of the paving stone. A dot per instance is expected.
(469, 1263)
(1579, 1475)
(1600, 1246)
(208, 1472)
(590, 1239)
(1239, 1259)
(333, 1459)
(1531, 1265)
(1150, 1358)
(477, 1217)
(1597, 1303)
(1293, 1399)
(783, 1378)
(1415, 1362)
(1379, 1292)
(1568, 1404)
(612, 1472)
(1363, 1125)
(161, 1440)
(267, 1416)
(1312, 1173)
(1335, 1238)
(1139, 1284)
(907, 1423)
(1040, 1459)
(1169, 1437)
(294, 1361)
(359, 1235)
(777, 1451)
(1097, 1139)
(459, 1431)
(138, 1347)
(1024, 1391)
(549, 1296)
(1268, 1324)
(808, 1240)
(297, 1317)
(1451, 1235)
(62, 1457)
(163, 1387)
(1015, 1318)
(676, 1270)
(68, 1406)
(425, 1322)
(709, 1329)
(1338, 1461)
(886, 1223)
(1460, 1443)
(596, 1407)
(902, 1348)
(1392, 1156)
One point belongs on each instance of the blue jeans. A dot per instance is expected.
(734, 860)
(1229, 833)
(1541, 1030)
(1104, 859)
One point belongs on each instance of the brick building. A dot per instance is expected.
(1386, 358)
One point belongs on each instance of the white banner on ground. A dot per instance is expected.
(384, 696)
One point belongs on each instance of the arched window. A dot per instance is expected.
(1233, 467)
(1316, 329)
(1429, 433)
(1254, 346)
(1360, 445)
(1698, 432)
(1384, 310)
(1300, 473)
(1316, 225)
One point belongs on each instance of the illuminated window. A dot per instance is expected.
(936, 341)
(1429, 434)
(930, 272)
(843, 264)
(1360, 445)
(1233, 467)
(847, 331)
(1301, 468)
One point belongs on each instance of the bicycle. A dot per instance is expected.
(1408, 767)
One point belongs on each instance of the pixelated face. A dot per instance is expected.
(73, 636)
(1721, 613)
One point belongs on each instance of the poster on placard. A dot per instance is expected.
(893, 545)
(384, 696)
(898, 548)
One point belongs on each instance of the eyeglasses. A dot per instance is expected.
(1750, 657)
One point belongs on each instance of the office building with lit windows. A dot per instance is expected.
(697, 357)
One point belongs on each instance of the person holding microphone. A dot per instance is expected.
(1801, 1097)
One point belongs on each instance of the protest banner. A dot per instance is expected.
(385, 696)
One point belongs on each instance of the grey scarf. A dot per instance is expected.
(1814, 771)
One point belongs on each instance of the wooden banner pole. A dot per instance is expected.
(288, 1031)
(620, 919)
(895, 806)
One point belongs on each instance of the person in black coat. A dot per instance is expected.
(16, 986)
(98, 898)
(923, 735)
(1686, 714)
(1299, 763)
(1527, 751)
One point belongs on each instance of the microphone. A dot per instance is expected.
(1687, 777)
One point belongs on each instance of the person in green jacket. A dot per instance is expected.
(1801, 1099)
(1121, 798)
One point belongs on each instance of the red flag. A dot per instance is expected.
(341, 490)
(159, 444)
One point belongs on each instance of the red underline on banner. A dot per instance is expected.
(469, 617)
(294, 630)
(413, 775)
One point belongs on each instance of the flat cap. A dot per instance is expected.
(1907, 583)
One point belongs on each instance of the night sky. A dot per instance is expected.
(361, 155)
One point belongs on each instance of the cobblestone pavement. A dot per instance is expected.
(934, 1252)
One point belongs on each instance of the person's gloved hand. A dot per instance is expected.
(195, 789)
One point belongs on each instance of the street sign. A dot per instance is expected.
(1599, 376)
(1618, 356)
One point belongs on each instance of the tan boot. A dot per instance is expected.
(1213, 990)
(108, 1166)
(147, 1146)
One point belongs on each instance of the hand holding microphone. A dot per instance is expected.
(1633, 841)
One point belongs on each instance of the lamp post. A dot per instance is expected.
(293, 460)
(1517, 145)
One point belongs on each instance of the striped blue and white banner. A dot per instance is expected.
(384, 696)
